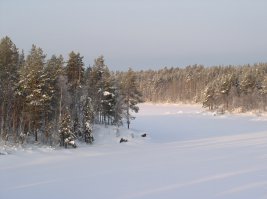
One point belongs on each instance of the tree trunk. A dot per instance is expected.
(128, 123)
(36, 136)
(15, 123)
(60, 105)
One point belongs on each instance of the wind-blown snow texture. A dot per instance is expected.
(188, 154)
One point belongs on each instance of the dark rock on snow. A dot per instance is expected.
(143, 135)
(123, 140)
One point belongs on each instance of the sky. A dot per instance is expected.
(142, 34)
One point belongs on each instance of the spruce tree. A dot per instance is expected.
(88, 120)
(109, 100)
(66, 135)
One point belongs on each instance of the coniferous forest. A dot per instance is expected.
(55, 101)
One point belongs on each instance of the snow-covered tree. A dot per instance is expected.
(209, 97)
(118, 108)
(66, 135)
(34, 87)
(88, 120)
(96, 83)
(109, 100)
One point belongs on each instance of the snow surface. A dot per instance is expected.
(189, 153)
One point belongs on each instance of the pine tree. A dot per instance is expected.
(131, 95)
(9, 63)
(264, 93)
(248, 87)
(53, 70)
(33, 88)
(75, 70)
(97, 82)
(75, 74)
(209, 97)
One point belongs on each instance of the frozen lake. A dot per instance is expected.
(171, 122)
(189, 153)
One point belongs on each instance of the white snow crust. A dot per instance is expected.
(188, 153)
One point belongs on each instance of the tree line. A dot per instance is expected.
(52, 100)
(221, 88)
(55, 101)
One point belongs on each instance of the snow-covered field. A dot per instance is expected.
(189, 153)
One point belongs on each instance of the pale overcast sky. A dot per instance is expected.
(141, 33)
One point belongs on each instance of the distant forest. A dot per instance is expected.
(222, 88)
(56, 101)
